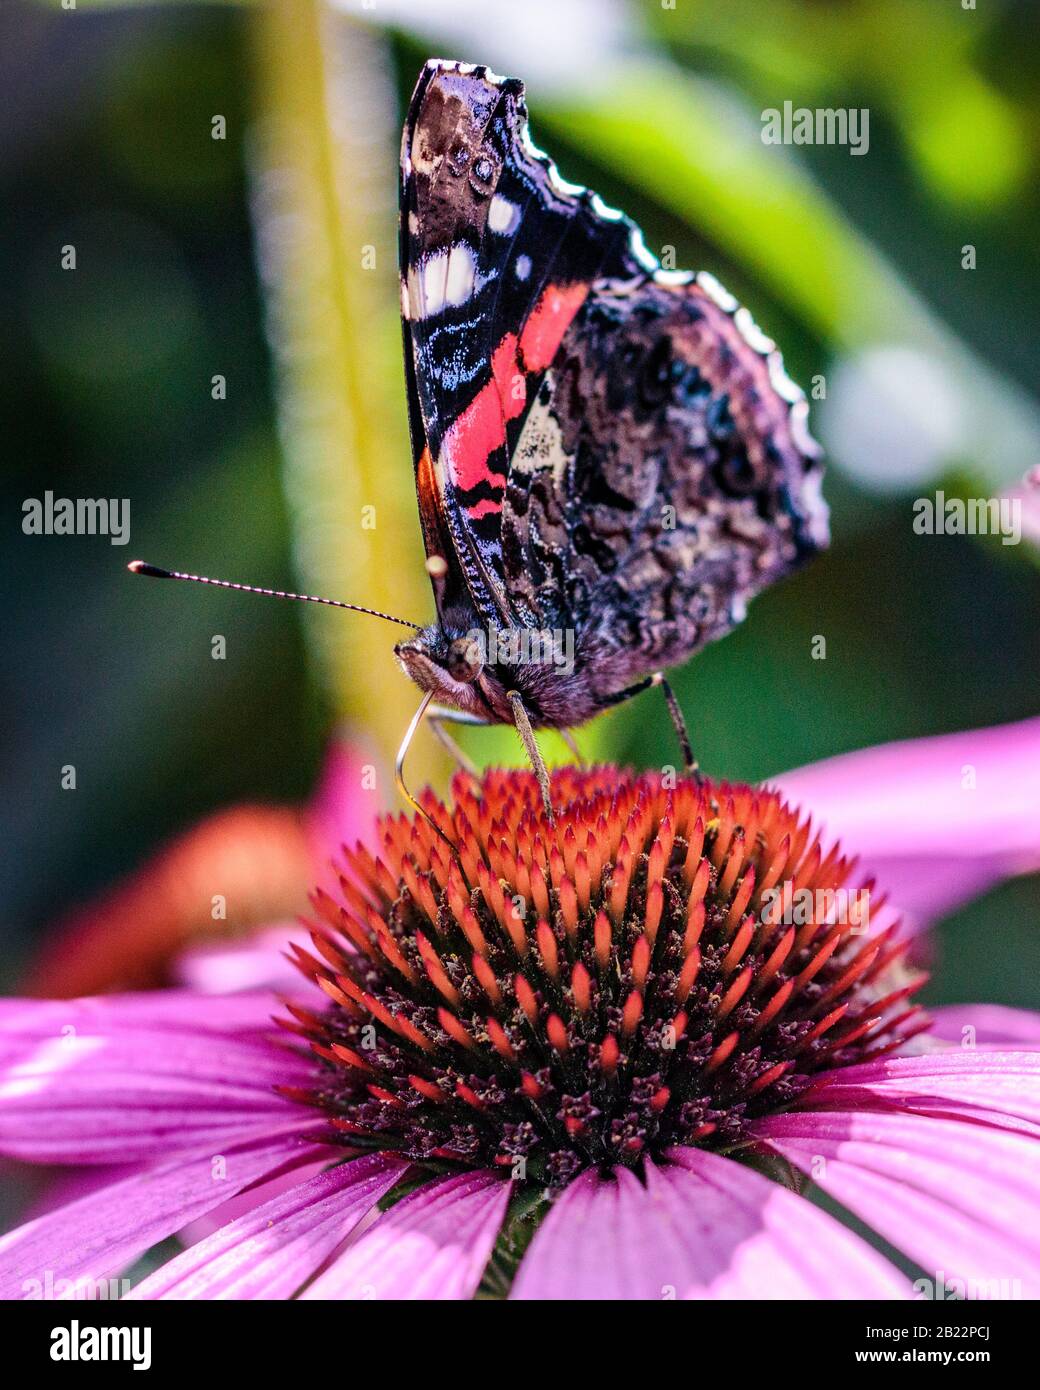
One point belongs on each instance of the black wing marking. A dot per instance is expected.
(664, 476)
(497, 252)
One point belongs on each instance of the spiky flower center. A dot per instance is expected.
(661, 966)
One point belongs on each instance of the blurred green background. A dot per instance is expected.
(246, 257)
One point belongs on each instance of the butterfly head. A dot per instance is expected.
(448, 664)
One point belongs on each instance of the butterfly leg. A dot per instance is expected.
(678, 719)
(572, 744)
(437, 716)
(523, 728)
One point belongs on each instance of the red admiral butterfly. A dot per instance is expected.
(610, 459)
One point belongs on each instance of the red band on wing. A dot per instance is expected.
(547, 322)
(483, 507)
(508, 379)
(481, 428)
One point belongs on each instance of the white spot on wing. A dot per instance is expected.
(540, 447)
(799, 426)
(670, 278)
(601, 209)
(414, 292)
(562, 185)
(815, 507)
(432, 282)
(443, 280)
(716, 292)
(751, 333)
(782, 384)
(462, 270)
(559, 183)
(503, 215)
(530, 147)
(422, 159)
(523, 267)
(639, 249)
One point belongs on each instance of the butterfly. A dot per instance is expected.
(610, 459)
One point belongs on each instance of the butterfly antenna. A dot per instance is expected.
(154, 572)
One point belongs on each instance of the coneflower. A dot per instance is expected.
(597, 1059)
(547, 998)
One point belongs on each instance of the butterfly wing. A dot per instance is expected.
(603, 448)
(498, 255)
(664, 476)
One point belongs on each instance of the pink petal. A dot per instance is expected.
(322, 1156)
(702, 1227)
(999, 1088)
(903, 807)
(433, 1244)
(1027, 495)
(341, 809)
(92, 1081)
(279, 1245)
(177, 1010)
(103, 1233)
(986, 1025)
(959, 1198)
(251, 963)
(63, 1186)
